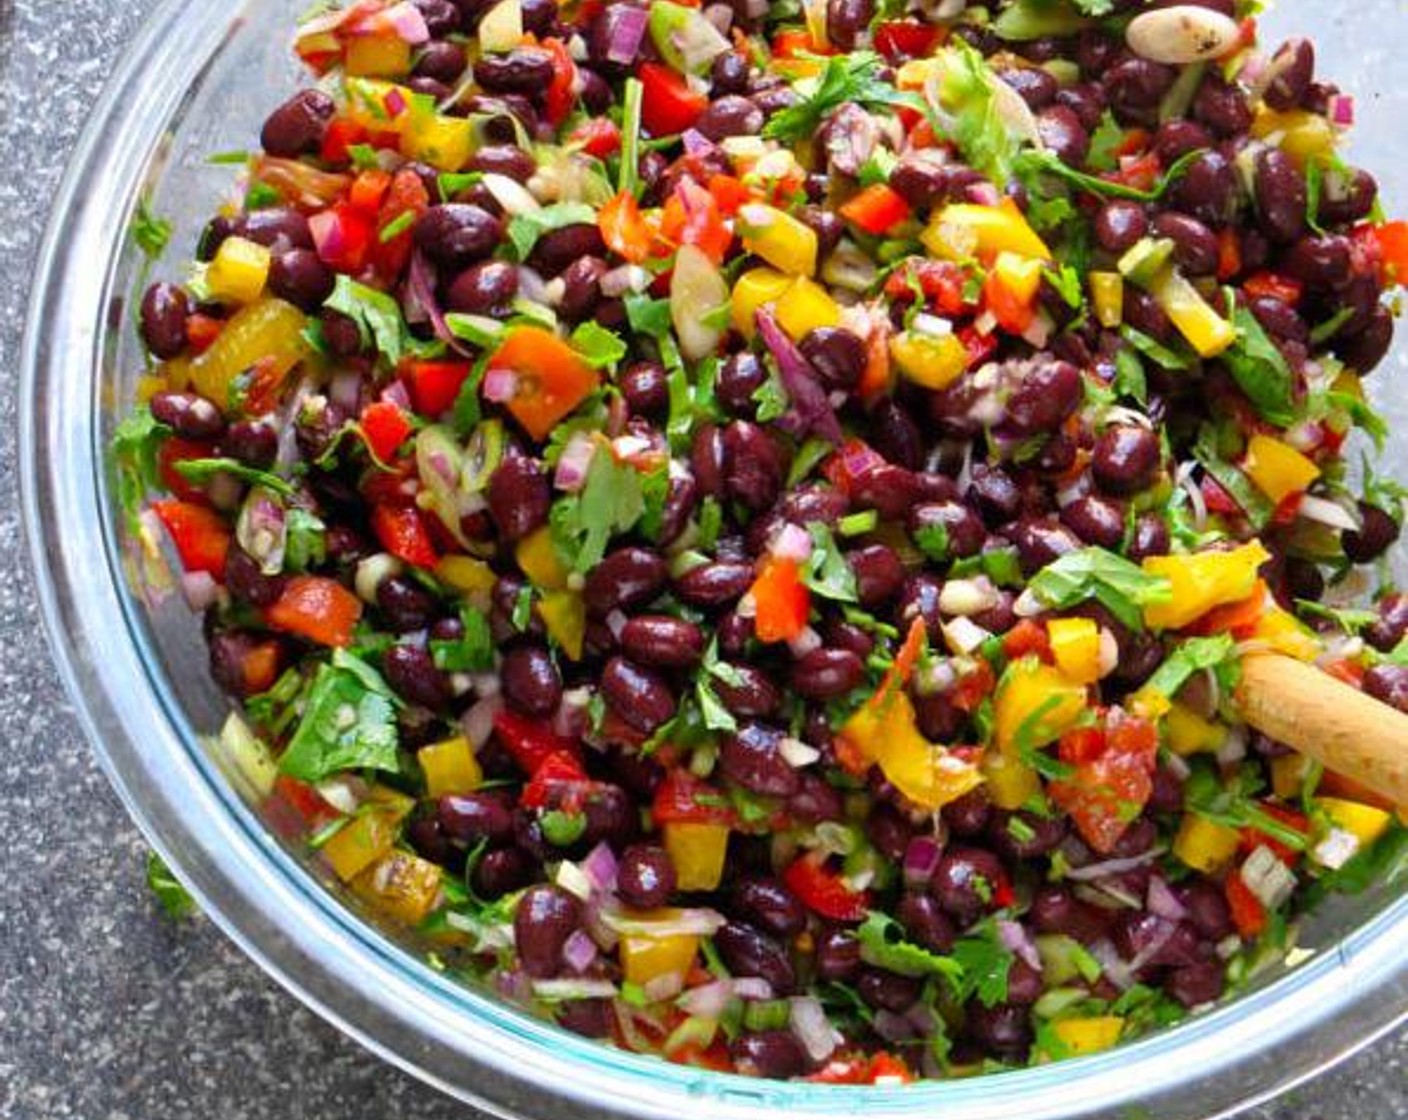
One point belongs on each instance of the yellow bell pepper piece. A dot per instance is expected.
(1107, 294)
(1011, 783)
(362, 841)
(384, 106)
(887, 733)
(1302, 135)
(1288, 773)
(539, 561)
(1088, 1035)
(1365, 822)
(1020, 275)
(239, 271)
(268, 333)
(1149, 703)
(1206, 331)
(1075, 643)
(564, 614)
(914, 73)
(644, 959)
(450, 767)
(964, 229)
(1285, 633)
(804, 306)
(400, 886)
(445, 143)
(1035, 704)
(930, 360)
(754, 289)
(1205, 845)
(1201, 581)
(783, 241)
(1189, 733)
(466, 575)
(697, 851)
(1277, 468)
(377, 56)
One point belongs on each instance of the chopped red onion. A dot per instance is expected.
(624, 27)
(606, 938)
(791, 542)
(500, 385)
(406, 21)
(721, 16)
(1112, 866)
(329, 238)
(601, 867)
(478, 722)
(345, 390)
(531, 285)
(626, 278)
(893, 1027)
(1163, 931)
(571, 473)
(396, 393)
(1341, 110)
(809, 409)
(1015, 937)
(812, 1027)
(579, 951)
(200, 590)
(695, 144)
(921, 860)
(1163, 902)
(752, 987)
(1112, 966)
(420, 290)
(984, 194)
(395, 102)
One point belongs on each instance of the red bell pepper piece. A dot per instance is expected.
(729, 193)
(1274, 286)
(1392, 239)
(385, 427)
(531, 741)
(781, 599)
(558, 781)
(825, 892)
(202, 330)
(1229, 253)
(1107, 792)
(435, 386)
(316, 608)
(403, 532)
(201, 537)
(623, 229)
(561, 95)
(1253, 838)
(599, 137)
(406, 195)
(1248, 914)
(1028, 636)
(668, 105)
(863, 1070)
(877, 209)
(341, 135)
(681, 798)
(174, 450)
(367, 191)
(898, 40)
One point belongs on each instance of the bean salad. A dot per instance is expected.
(735, 527)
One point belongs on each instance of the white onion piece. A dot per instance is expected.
(512, 195)
(697, 287)
(808, 641)
(1015, 937)
(809, 1022)
(200, 590)
(965, 597)
(697, 920)
(478, 722)
(371, 571)
(1326, 512)
(796, 753)
(564, 989)
(963, 635)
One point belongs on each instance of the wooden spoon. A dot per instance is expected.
(1328, 720)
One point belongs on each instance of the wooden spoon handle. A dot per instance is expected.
(1322, 717)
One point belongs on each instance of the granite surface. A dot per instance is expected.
(109, 1011)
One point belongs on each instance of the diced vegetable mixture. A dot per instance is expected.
(738, 524)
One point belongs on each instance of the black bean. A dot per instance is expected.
(1063, 134)
(1177, 138)
(747, 951)
(925, 922)
(1195, 248)
(1280, 195)
(1320, 263)
(1279, 319)
(441, 17)
(559, 248)
(457, 234)
(627, 578)
(824, 674)
(1095, 51)
(938, 717)
(887, 990)
(1388, 682)
(752, 757)
(1086, 101)
(255, 443)
(1004, 1028)
(297, 126)
(1040, 541)
(663, 641)
(715, 584)
(968, 815)
(341, 333)
(246, 581)
(503, 871)
(1376, 534)
(526, 70)
(503, 159)
(922, 177)
(544, 919)
(276, 227)
(1044, 394)
(404, 605)
(1033, 836)
(441, 61)
(836, 354)
(1119, 224)
(1208, 189)
(767, 904)
(1157, 940)
(581, 288)
(1096, 520)
(965, 881)
(300, 277)
(646, 388)
(1143, 313)
(187, 414)
(748, 693)
(473, 817)
(1196, 984)
(1222, 107)
(165, 309)
(730, 115)
(1344, 200)
(531, 682)
(539, 16)
(946, 529)
(879, 574)
(640, 696)
(1024, 984)
(828, 227)
(1368, 348)
(1056, 910)
(1207, 908)
(1125, 459)
(411, 672)
(1294, 66)
(1392, 624)
(756, 466)
(1036, 86)
(837, 955)
(229, 653)
(611, 817)
(775, 1054)
(487, 288)
(519, 496)
(1136, 86)
(1151, 537)
(646, 876)
(995, 495)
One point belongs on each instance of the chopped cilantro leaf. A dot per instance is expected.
(1261, 370)
(525, 229)
(135, 445)
(1094, 573)
(827, 574)
(600, 348)
(1048, 162)
(348, 723)
(173, 897)
(1192, 656)
(648, 316)
(771, 398)
(883, 944)
(151, 234)
(1105, 143)
(848, 77)
(377, 315)
(203, 470)
(472, 653)
(305, 540)
(610, 502)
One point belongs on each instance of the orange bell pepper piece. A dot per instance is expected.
(623, 229)
(782, 601)
(552, 379)
(316, 608)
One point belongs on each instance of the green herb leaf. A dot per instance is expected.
(883, 944)
(648, 316)
(203, 470)
(1348, 619)
(1094, 573)
(348, 723)
(525, 229)
(1261, 370)
(1252, 501)
(599, 347)
(136, 444)
(848, 77)
(985, 962)
(771, 398)
(632, 99)
(562, 829)
(377, 315)
(1129, 376)
(610, 502)
(1192, 656)
(1047, 162)
(1161, 355)
(827, 573)
(173, 897)
(150, 233)
(472, 653)
(305, 540)
(1105, 143)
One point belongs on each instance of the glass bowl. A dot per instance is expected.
(199, 79)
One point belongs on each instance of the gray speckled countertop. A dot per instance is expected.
(108, 1011)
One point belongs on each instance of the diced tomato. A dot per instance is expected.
(341, 134)
(559, 776)
(316, 608)
(681, 798)
(701, 223)
(1248, 914)
(824, 891)
(715, 1056)
(403, 532)
(781, 599)
(385, 427)
(623, 229)
(668, 105)
(729, 193)
(942, 283)
(877, 209)
(1106, 793)
(1392, 238)
(175, 449)
(1273, 286)
(598, 137)
(201, 537)
(295, 810)
(202, 330)
(876, 377)
(406, 195)
(1346, 669)
(1081, 744)
(561, 95)
(974, 686)
(343, 236)
(1133, 142)
(862, 1069)
(1140, 172)
(1028, 636)
(1253, 838)
(1013, 314)
(550, 379)
(434, 386)
(531, 741)
(367, 191)
(898, 40)
(980, 346)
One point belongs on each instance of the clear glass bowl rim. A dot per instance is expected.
(394, 1003)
